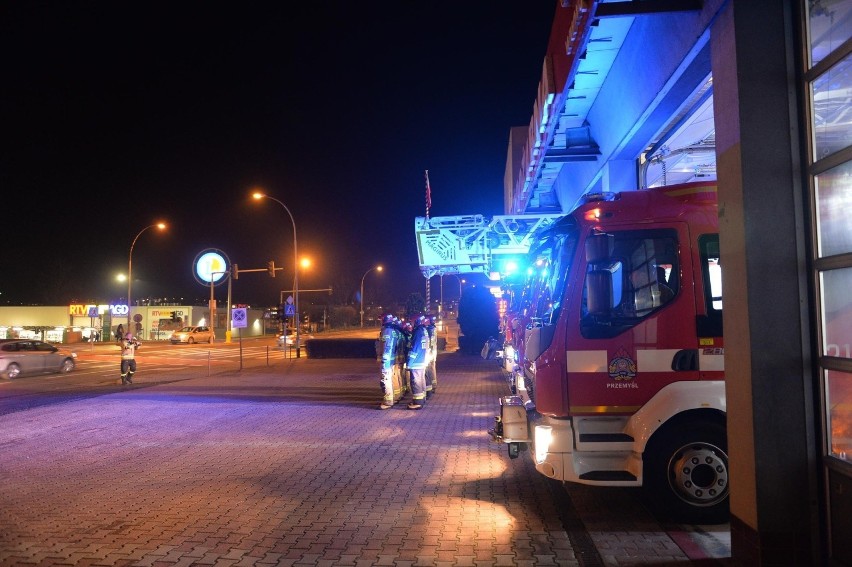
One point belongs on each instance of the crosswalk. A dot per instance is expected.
(188, 360)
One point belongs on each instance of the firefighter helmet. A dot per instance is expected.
(129, 336)
(388, 319)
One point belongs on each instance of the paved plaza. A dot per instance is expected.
(294, 464)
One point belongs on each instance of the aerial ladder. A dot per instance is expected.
(467, 244)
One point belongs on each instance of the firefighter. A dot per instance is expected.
(431, 372)
(390, 345)
(128, 358)
(402, 356)
(418, 359)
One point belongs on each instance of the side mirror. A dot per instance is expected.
(599, 292)
(599, 248)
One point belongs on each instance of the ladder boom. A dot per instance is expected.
(469, 243)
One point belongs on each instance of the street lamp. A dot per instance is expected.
(461, 281)
(158, 225)
(377, 268)
(259, 196)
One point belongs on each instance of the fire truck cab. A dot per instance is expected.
(618, 377)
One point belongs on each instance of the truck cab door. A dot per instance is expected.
(637, 314)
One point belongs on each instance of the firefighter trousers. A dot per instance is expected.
(418, 385)
(431, 378)
(128, 368)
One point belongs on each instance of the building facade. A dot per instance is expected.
(754, 94)
(81, 322)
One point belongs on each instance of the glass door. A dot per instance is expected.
(828, 122)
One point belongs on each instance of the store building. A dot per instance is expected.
(80, 322)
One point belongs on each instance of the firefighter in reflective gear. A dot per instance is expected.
(418, 359)
(402, 354)
(128, 358)
(390, 349)
(407, 329)
(431, 373)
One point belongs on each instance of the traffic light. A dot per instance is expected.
(235, 272)
(270, 267)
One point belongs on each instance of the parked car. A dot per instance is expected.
(192, 335)
(28, 356)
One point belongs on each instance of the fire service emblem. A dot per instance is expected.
(622, 367)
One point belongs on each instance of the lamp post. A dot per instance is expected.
(296, 321)
(377, 268)
(160, 226)
(461, 281)
(441, 303)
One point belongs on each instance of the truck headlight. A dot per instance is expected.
(543, 438)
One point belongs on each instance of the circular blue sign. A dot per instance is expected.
(211, 266)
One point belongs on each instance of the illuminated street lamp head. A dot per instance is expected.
(258, 195)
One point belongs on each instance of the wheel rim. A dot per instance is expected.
(698, 474)
(13, 370)
(67, 366)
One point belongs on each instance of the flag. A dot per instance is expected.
(428, 194)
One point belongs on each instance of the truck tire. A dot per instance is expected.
(686, 473)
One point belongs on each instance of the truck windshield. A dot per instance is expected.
(551, 255)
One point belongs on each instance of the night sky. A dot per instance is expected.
(116, 115)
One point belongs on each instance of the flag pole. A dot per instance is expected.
(428, 205)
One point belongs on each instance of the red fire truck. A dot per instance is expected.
(619, 377)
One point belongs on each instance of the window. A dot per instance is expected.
(828, 89)
(644, 272)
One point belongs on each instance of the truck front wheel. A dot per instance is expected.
(686, 473)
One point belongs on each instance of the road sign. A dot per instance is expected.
(289, 309)
(239, 319)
